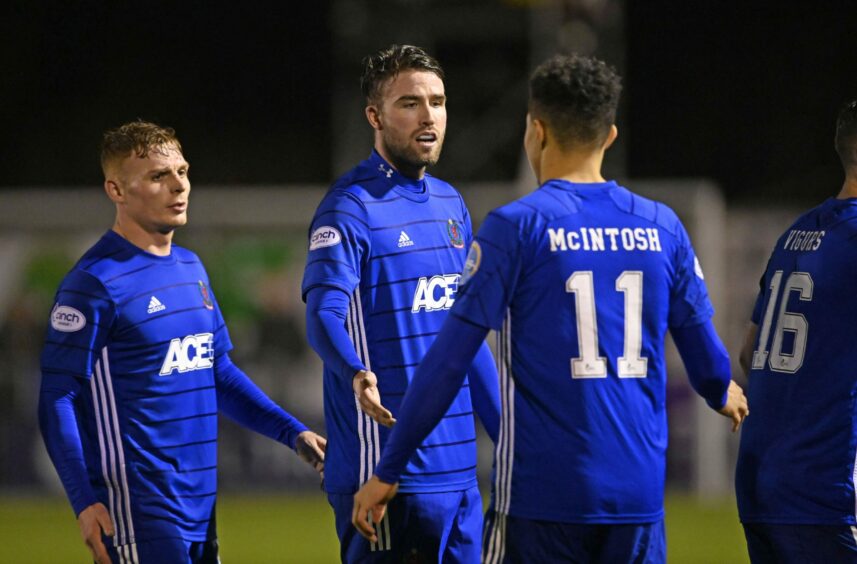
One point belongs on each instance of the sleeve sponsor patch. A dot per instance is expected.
(697, 268)
(471, 265)
(67, 319)
(324, 236)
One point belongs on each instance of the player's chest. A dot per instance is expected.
(176, 310)
(412, 227)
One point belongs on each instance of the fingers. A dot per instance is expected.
(104, 521)
(738, 403)
(365, 385)
(99, 552)
(360, 518)
(376, 411)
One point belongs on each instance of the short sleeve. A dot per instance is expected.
(80, 323)
(339, 242)
(689, 302)
(490, 273)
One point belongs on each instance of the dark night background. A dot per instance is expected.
(744, 93)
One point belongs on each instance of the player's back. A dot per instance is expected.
(797, 456)
(601, 275)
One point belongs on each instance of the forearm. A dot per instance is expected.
(706, 361)
(58, 425)
(325, 318)
(243, 401)
(485, 390)
(430, 393)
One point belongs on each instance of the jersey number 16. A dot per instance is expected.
(794, 323)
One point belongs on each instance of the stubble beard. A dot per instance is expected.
(406, 158)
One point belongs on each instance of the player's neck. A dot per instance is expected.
(156, 243)
(405, 169)
(581, 167)
(849, 188)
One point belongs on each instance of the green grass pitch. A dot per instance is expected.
(298, 529)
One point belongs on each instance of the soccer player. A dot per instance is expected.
(582, 279)
(135, 368)
(387, 245)
(796, 474)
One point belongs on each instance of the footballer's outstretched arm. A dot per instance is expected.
(326, 310)
(709, 370)
(485, 391)
(432, 390)
(242, 400)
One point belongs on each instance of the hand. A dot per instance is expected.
(371, 503)
(92, 521)
(311, 448)
(736, 407)
(365, 385)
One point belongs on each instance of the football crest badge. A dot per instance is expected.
(453, 229)
(206, 297)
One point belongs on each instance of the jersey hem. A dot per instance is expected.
(590, 519)
(770, 520)
(439, 488)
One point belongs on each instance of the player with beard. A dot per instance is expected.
(386, 247)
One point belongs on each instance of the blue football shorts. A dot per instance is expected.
(514, 540)
(164, 551)
(417, 528)
(806, 544)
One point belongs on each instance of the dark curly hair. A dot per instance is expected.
(138, 136)
(846, 135)
(387, 63)
(576, 97)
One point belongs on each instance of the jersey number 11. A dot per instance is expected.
(589, 364)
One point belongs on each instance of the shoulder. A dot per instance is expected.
(523, 214)
(185, 255)
(440, 187)
(653, 211)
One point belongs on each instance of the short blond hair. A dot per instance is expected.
(137, 137)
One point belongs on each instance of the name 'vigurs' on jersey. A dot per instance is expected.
(143, 330)
(397, 247)
(796, 463)
(582, 281)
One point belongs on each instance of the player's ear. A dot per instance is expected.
(611, 137)
(114, 191)
(373, 115)
(540, 132)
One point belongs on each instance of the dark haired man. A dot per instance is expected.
(135, 368)
(582, 279)
(797, 476)
(387, 246)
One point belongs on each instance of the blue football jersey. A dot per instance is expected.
(397, 247)
(582, 281)
(144, 331)
(796, 463)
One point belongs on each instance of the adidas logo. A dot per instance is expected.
(404, 240)
(155, 305)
